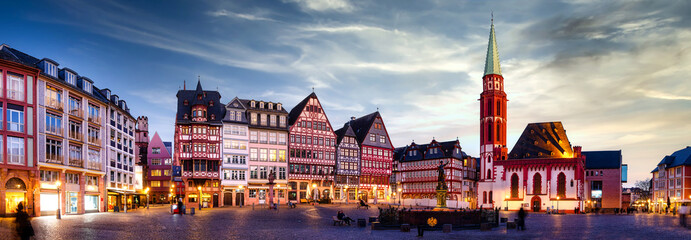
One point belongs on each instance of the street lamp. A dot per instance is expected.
(507, 203)
(200, 197)
(399, 196)
(346, 193)
(314, 190)
(557, 204)
(57, 184)
(147, 197)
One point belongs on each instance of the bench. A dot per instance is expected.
(338, 221)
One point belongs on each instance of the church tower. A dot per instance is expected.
(492, 121)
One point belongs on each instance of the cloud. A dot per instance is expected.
(245, 16)
(325, 5)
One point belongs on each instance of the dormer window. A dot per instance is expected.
(50, 69)
(70, 78)
(271, 106)
(186, 116)
(211, 103)
(185, 102)
(87, 86)
(199, 97)
(213, 117)
(253, 104)
(261, 104)
(278, 107)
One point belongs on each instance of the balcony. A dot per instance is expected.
(54, 104)
(76, 135)
(55, 130)
(93, 165)
(95, 141)
(77, 113)
(53, 158)
(94, 119)
(76, 162)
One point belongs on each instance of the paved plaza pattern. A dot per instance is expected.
(314, 222)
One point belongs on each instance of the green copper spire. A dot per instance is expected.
(492, 60)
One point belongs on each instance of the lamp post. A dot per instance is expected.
(200, 197)
(147, 198)
(399, 196)
(588, 204)
(507, 203)
(314, 191)
(557, 204)
(346, 194)
(57, 184)
(240, 188)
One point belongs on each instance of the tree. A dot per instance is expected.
(644, 185)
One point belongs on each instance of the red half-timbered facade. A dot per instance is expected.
(418, 171)
(376, 156)
(197, 145)
(312, 156)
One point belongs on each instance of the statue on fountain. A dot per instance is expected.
(441, 180)
(272, 177)
(442, 189)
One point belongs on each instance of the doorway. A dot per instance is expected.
(227, 199)
(72, 206)
(239, 199)
(215, 200)
(536, 203)
(15, 194)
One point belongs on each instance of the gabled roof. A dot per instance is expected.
(295, 112)
(602, 159)
(248, 106)
(346, 130)
(399, 153)
(679, 158)
(156, 142)
(445, 147)
(362, 125)
(218, 109)
(542, 140)
(492, 58)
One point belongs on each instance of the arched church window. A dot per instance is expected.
(489, 108)
(537, 183)
(489, 132)
(484, 197)
(498, 108)
(498, 132)
(514, 185)
(489, 174)
(561, 185)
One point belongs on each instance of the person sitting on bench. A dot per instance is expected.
(363, 204)
(342, 216)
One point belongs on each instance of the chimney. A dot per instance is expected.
(576, 151)
(352, 118)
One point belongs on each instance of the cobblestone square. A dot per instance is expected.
(314, 222)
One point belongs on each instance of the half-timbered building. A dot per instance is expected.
(197, 148)
(376, 156)
(418, 172)
(312, 151)
(347, 176)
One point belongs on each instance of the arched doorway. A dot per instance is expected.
(535, 203)
(15, 193)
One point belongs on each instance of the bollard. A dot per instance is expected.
(192, 211)
(446, 228)
(252, 206)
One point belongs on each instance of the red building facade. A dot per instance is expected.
(493, 122)
(376, 157)
(312, 156)
(18, 165)
(197, 146)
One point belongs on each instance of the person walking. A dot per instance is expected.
(24, 228)
(683, 211)
(521, 220)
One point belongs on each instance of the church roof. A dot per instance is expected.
(492, 59)
(602, 159)
(678, 158)
(542, 140)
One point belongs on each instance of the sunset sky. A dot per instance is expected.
(616, 74)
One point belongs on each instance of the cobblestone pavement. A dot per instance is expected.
(309, 222)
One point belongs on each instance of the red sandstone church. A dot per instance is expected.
(542, 172)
